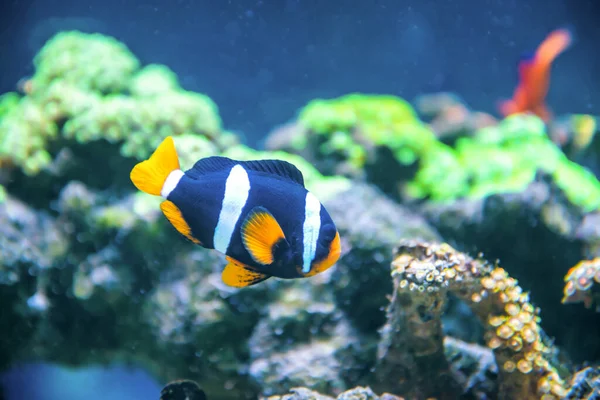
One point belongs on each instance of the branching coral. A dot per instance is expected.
(423, 276)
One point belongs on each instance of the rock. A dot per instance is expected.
(358, 393)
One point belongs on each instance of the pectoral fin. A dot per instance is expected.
(261, 234)
(238, 275)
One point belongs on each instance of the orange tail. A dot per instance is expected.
(150, 175)
(554, 44)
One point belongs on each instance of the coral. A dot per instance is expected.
(346, 128)
(502, 159)
(121, 270)
(303, 339)
(579, 284)
(489, 159)
(574, 132)
(585, 385)
(523, 229)
(423, 276)
(91, 62)
(358, 393)
(89, 87)
(473, 367)
(153, 80)
(449, 117)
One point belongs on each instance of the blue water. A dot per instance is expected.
(262, 60)
(51, 382)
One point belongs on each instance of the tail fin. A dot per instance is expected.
(150, 175)
(554, 44)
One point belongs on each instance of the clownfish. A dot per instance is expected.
(534, 77)
(257, 213)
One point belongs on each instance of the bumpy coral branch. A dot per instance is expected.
(411, 350)
(424, 274)
(580, 281)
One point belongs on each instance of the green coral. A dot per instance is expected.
(379, 119)
(324, 187)
(90, 87)
(154, 80)
(502, 159)
(498, 159)
(92, 62)
(8, 101)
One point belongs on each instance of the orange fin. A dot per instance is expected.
(335, 249)
(238, 275)
(260, 233)
(175, 217)
(554, 44)
(150, 175)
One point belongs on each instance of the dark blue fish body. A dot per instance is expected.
(258, 213)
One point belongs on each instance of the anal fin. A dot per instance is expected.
(238, 275)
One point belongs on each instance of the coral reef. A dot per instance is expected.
(501, 158)
(414, 363)
(88, 88)
(406, 311)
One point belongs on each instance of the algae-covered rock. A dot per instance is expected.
(304, 339)
(369, 224)
(358, 393)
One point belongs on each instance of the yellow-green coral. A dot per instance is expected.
(498, 159)
(88, 87)
(584, 129)
(8, 101)
(153, 80)
(92, 62)
(379, 119)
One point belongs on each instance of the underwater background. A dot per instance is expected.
(391, 111)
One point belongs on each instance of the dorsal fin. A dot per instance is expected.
(279, 168)
(210, 164)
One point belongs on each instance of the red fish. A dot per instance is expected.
(534, 77)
